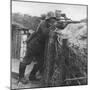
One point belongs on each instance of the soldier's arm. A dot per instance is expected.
(35, 33)
(31, 37)
(42, 27)
(38, 27)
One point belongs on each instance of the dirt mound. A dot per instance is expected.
(76, 34)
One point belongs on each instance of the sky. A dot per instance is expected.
(75, 12)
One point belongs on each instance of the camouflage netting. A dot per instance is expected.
(66, 58)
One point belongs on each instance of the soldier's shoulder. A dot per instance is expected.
(42, 22)
(41, 25)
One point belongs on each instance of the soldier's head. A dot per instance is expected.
(50, 18)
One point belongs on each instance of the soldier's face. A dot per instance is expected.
(52, 21)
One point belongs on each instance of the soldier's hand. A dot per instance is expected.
(53, 27)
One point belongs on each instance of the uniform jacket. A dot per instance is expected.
(36, 42)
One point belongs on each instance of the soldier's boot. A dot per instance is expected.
(32, 76)
(22, 68)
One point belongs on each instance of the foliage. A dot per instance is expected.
(30, 22)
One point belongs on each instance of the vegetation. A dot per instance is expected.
(30, 22)
(67, 58)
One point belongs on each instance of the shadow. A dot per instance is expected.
(14, 75)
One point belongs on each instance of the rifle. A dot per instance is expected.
(62, 24)
(70, 22)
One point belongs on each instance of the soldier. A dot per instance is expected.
(35, 48)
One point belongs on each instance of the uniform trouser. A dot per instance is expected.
(37, 67)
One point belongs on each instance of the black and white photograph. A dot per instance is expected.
(49, 44)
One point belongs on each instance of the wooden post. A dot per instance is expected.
(49, 59)
(65, 54)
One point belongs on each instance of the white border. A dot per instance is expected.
(5, 43)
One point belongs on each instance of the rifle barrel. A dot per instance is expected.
(70, 21)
